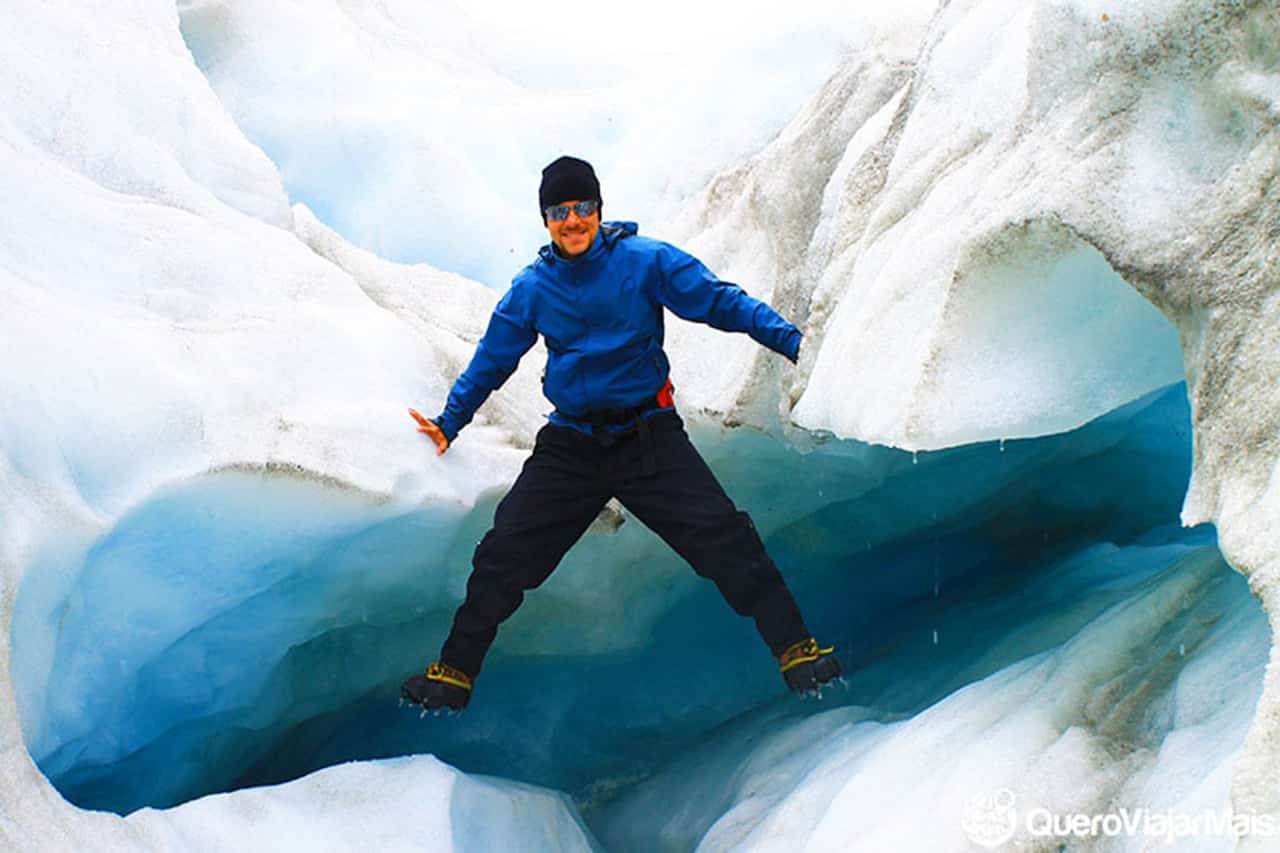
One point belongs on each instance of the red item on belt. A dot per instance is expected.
(664, 395)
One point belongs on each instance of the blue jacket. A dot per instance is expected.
(601, 316)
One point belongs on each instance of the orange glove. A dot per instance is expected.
(432, 431)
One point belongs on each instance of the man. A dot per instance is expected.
(596, 294)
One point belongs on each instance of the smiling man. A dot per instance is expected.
(596, 294)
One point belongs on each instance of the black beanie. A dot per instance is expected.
(567, 178)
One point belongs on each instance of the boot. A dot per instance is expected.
(441, 687)
(806, 667)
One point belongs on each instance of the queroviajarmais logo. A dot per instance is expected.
(990, 819)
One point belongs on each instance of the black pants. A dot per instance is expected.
(562, 488)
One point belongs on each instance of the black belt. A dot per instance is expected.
(601, 419)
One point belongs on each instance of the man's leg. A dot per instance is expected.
(681, 501)
(553, 501)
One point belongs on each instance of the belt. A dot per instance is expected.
(601, 419)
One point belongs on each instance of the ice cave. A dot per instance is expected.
(1025, 476)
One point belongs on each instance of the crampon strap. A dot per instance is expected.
(804, 651)
(447, 674)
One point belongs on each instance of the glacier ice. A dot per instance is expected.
(398, 804)
(1148, 137)
(357, 132)
(1107, 718)
(181, 343)
(271, 617)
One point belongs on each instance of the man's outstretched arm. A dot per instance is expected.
(693, 292)
(509, 336)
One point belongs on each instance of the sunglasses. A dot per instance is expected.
(560, 212)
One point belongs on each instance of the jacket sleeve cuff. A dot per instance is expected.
(793, 346)
(447, 426)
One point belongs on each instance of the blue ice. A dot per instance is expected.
(247, 628)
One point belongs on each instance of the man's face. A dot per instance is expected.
(573, 235)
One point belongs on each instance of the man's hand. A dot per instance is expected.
(432, 431)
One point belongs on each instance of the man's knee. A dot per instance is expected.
(732, 536)
(514, 562)
(727, 548)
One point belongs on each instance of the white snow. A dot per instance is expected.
(414, 803)
(1075, 729)
(160, 323)
(385, 116)
(1144, 137)
(1078, 133)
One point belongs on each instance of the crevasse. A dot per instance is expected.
(223, 543)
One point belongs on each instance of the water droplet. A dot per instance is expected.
(935, 636)
(1182, 650)
(1002, 445)
(915, 457)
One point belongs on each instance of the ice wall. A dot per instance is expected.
(418, 112)
(246, 628)
(1143, 704)
(164, 320)
(1030, 158)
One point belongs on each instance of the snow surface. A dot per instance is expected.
(1106, 719)
(398, 804)
(168, 314)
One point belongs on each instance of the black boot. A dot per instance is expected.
(806, 667)
(441, 687)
